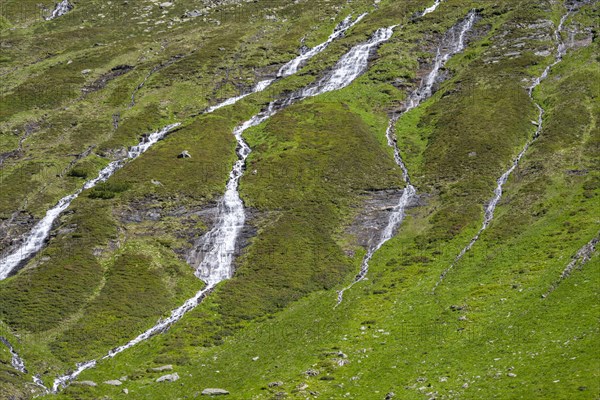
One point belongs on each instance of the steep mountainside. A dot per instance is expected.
(300, 199)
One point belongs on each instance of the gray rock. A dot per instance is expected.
(193, 14)
(312, 372)
(161, 369)
(86, 71)
(214, 392)
(85, 383)
(126, 391)
(114, 382)
(168, 378)
(184, 154)
(275, 384)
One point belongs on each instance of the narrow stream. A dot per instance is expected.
(491, 207)
(423, 92)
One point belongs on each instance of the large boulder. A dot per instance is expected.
(214, 392)
(168, 378)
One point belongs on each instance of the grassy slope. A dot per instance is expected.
(394, 332)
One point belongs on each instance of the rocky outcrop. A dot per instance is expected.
(161, 369)
(103, 80)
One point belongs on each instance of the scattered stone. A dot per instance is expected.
(168, 378)
(184, 154)
(157, 183)
(123, 378)
(275, 384)
(126, 391)
(86, 71)
(255, 358)
(85, 383)
(534, 123)
(421, 379)
(512, 375)
(465, 385)
(543, 53)
(114, 382)
(164, 367)
(390, 396)
(193, 14)
(312, 372)
(462, 318)
(214, 392)
(302, 386)
(166, 4)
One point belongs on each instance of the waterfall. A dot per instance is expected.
(18, 364)
(423, 92)
(293, 66)
(491, 206)
(16, 361)
(37, 237)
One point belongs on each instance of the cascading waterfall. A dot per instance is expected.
(61, 9)
(18, 364)
(217, 246)
(293, 66)
(16, 361)
(39, 234)
(423, 92)
(491, 207)
(583, 255)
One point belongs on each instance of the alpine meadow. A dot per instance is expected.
(299, 199)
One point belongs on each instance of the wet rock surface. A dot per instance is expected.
(374, 215)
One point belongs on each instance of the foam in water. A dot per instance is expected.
(491, 207)
(39, 234)
(423, 92)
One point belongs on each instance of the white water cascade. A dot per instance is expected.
(39, 234)
(293, 66)
(18, 364)
(491, 207)
(217, 246)
(61, 9)
(423, 92)
(16, 361)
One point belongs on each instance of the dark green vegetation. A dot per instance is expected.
(116, 260)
